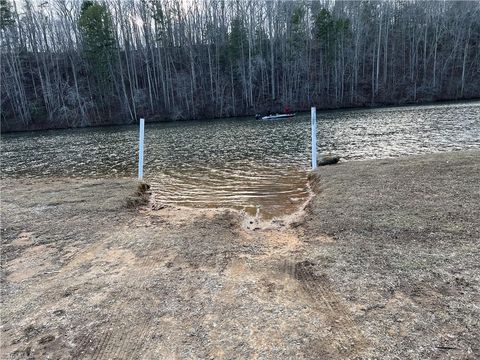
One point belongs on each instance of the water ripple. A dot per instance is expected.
(240, 163)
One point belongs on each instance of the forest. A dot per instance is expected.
(68, 63)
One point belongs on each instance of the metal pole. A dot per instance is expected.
(314, 138)
(140, 149)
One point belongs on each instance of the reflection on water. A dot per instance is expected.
(241, 163)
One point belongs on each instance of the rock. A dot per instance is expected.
(328, 160)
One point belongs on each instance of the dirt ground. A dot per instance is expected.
(382, 263)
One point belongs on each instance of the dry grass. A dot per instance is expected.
(406, 251)
(385, 265)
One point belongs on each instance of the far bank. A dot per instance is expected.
(12, 125)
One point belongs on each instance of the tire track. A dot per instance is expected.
(113, 345)
(318, 288)
(142, 340)
(127, 336)
(104, 340)
(81, 350)
(125, 331)
(130, 341)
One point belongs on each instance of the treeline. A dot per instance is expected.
(71, 63)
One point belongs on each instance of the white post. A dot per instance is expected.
(314, 138)
(140, 149)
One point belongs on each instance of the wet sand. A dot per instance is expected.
(382, 263)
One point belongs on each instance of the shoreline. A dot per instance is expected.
(378, 249)
(300, 111)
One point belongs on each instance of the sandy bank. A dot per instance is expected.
(384, 264)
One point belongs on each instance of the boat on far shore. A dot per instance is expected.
(274, 116)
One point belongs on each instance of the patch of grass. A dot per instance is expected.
(140, 197)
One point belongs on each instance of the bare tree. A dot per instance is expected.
(178, 59)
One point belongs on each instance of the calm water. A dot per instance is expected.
(240, 163)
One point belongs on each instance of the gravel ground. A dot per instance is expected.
(382, 263)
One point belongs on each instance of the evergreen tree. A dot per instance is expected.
(96, 27)
(237, 39)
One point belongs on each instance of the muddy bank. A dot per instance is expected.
(85, 276)
(383, 264)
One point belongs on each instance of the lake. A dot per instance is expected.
(242, 163)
